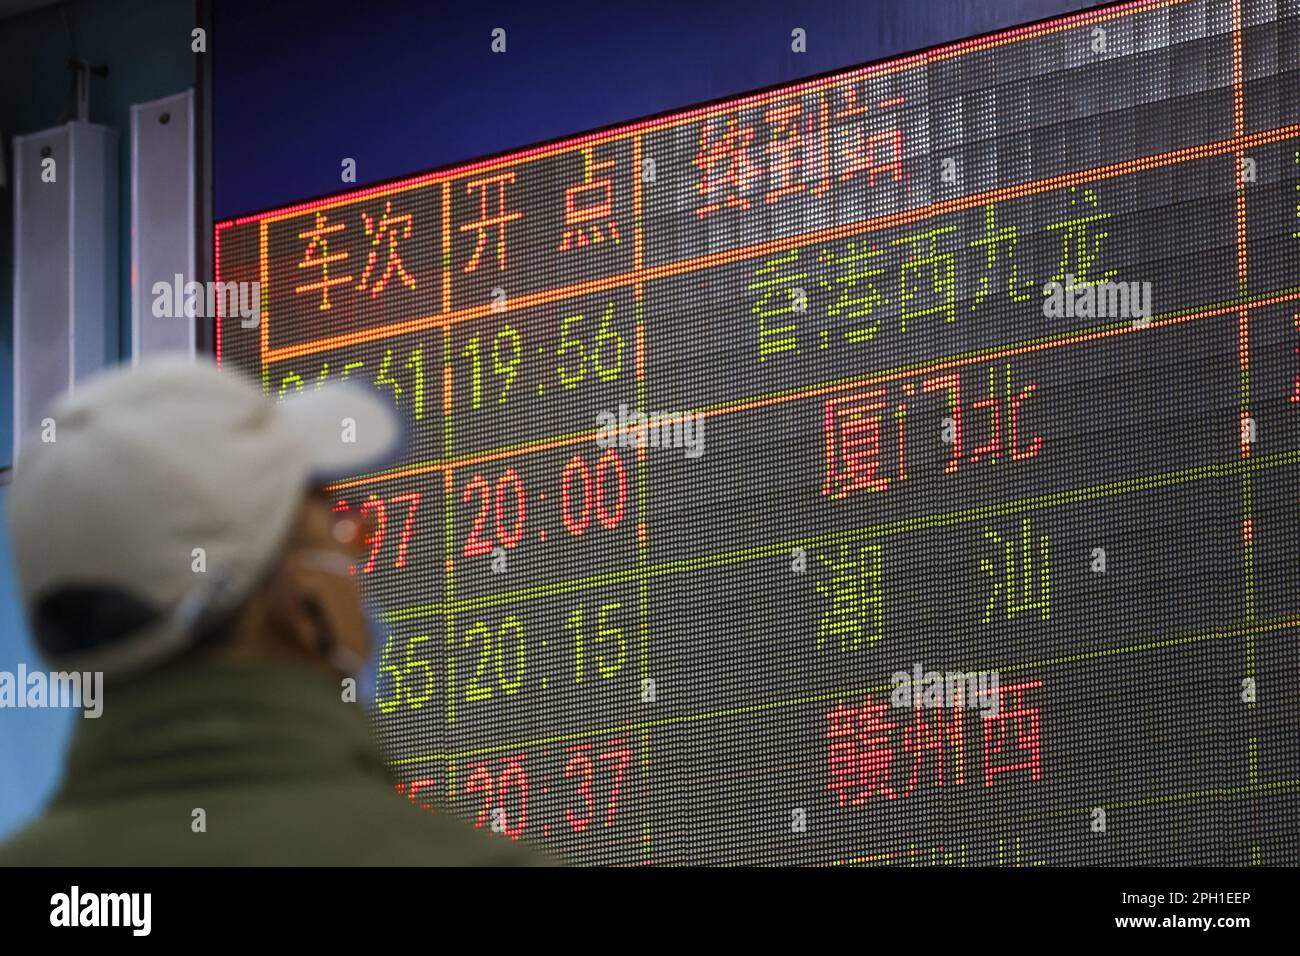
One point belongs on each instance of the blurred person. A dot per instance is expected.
(175, 536)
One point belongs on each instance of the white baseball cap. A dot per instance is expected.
(159, 495)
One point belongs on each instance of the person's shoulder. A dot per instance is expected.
(37, 843)
(16, 851)
(369, 824)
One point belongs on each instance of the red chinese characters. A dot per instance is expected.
(876, 751)
(860, 752)
(796, 145)
(1012, 739)
(865, 435)
(852, 434)
(727, 171)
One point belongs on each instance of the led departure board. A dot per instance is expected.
(897, 467)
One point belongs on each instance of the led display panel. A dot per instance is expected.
(896, 467)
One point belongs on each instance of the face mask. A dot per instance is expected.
(345, 660)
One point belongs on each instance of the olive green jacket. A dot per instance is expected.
(283, 771)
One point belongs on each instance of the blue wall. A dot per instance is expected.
(31, 741)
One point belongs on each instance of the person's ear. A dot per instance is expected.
(290, 610)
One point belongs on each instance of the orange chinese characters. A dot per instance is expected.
(589, 207)
(386, 231)
(318, 256)
(495, 219)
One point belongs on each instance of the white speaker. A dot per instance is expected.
(65, 264)
(162, 224)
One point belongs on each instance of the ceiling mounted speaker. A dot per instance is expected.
(166, 301)
(65, 264)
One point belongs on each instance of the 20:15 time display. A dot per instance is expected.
(495, 658)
